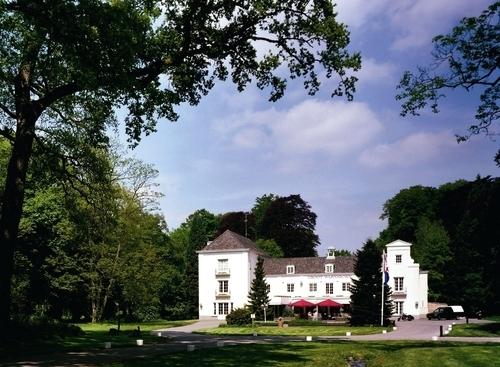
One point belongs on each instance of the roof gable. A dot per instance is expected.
(230, 240)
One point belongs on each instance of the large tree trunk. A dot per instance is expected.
(13, 195)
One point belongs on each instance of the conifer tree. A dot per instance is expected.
(366, 290)
(259, 292)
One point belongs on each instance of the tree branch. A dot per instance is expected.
(7, 111)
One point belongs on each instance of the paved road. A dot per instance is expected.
(177, 339)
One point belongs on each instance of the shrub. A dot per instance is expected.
(239, 316)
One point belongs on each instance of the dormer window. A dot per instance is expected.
(329, 268)
(290, 269)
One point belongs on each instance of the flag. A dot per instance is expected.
(385, 268)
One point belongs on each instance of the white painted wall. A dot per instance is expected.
(414, 294)
(241, 271)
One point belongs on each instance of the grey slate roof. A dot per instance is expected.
(231, 241)
(308, 265)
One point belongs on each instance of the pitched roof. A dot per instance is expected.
(308, 265)
(231, 241)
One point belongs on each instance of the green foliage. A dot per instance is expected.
(258, 296)
(291, 223)
(240, 317)
(203, 226)
(466, 58)
(238, 222)
(259, 209)
(270, 247)
(342, 252)
(366, 297)
(432, 252)
(455, 235)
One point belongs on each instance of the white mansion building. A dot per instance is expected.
(227, 264)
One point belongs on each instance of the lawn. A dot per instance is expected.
(489, 329)
(332, 354)
(30, 341)
(319, 330)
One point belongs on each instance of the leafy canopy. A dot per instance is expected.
(84, 58)
(466, 58)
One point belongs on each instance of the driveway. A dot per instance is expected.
(177, 339)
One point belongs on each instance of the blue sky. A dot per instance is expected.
(344, 158)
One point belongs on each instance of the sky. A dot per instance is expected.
(344, 158)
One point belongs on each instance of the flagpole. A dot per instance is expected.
(383, 278)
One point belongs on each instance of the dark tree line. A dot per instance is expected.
(455, 229)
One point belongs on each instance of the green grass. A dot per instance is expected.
(489, 329)
(493, 318)
(319, 330)
(332, 354)
(93, 336)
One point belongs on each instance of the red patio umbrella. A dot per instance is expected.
(302, 303)
(328, 303)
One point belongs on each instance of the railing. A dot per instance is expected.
(400, 291)
(223, 271)
(218, 293)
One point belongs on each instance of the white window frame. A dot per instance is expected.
(223, 286)
(223, 308)
(398, 307)
(328, 288)
(223, 265)
(290, 269)
(346, 287)
(399, 284)
(399, 259)
(329, 268)
(290, 287)
(313, 287)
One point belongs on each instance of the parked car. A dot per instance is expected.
(458, 310)
(442, 313)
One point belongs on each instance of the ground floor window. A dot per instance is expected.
(329, 288)
(346, 287)
(313, 287)
(215, 308)
(223, 308)
(290, 287)
(398, 307)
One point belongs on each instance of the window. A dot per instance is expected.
(223, 286)
(223, 265)
(290, 269)
(313, 287)
(398, 284)
(398, 309)
(215, 308)
(232, 307)
(290, 287)
(329, 288)
(398, 258)
(268, 286)
(329, 268)
(223, 308)
(346, 287)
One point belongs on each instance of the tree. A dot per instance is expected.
(270, 247)
(203, 226)
(466, 58)
(432, 251)
(291, 223)
(259, 209)
(239, 222)
(342, 252)
(366, 297)
(258, 296)
(66, 66)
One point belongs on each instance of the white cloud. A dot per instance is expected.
(413, 22)
(375, 72)
(312, 126)
(419, 21)
(413, 149)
